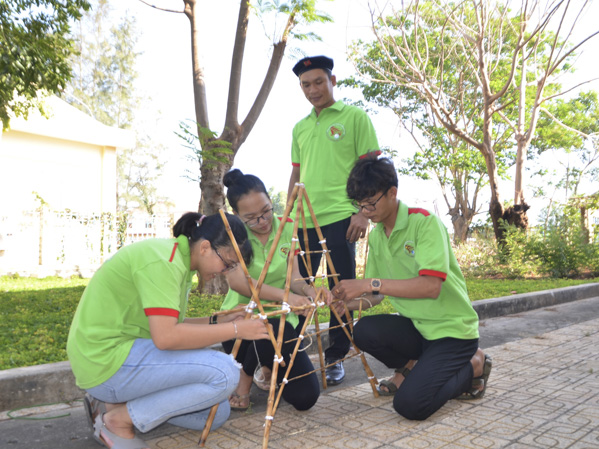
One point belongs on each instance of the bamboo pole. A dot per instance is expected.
(292, 359)
(308, 265)
(270, 412)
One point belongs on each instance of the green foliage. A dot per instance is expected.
(204, 147)
(35, 52)
(279, 200)
(559, 250)
(35, 314)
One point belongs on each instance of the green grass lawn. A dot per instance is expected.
(35, 314)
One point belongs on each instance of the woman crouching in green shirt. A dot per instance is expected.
(250, 201)
(131, 347)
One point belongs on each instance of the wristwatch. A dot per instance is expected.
(375, 284)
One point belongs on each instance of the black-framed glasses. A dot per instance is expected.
(228, 266)
(370, 207)
(255, 221)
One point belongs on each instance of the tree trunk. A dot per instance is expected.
(584, 220)
(460, 227)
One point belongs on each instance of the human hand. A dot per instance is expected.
(348, 289)
(255, 329)
(357, 227)
(299, 301)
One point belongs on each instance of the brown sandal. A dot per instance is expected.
(479, 384)
(240, 400)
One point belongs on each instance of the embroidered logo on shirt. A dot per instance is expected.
(408, 248)
(336, 132)
(284, 250)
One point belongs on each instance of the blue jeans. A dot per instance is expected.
(175, 386)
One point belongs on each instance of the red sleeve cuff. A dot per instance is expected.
(438, 274)
(375, 152)
(161, 311)
(295, 164)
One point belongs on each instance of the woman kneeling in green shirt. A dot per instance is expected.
(250, 201)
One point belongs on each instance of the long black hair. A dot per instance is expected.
(238, 184)
(212, 228)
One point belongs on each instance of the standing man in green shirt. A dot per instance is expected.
(325, 146)
(433, 343)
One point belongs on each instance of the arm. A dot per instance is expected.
(415, 288)
(357, 227)
(295, 177)
(356, 291)
(168, 334)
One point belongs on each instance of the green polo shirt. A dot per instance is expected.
(326, 147)
(151, 277)
(277, 270)
(419, 245)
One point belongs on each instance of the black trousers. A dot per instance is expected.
(302, 393)
(343, 255)
(443, 371)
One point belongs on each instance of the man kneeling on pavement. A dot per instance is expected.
(432, 344)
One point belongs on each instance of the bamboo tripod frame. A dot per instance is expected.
(298, 196)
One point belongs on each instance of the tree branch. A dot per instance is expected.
(161, 9)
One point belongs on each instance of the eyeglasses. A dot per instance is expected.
(255, 221)
(370, 207)
(228, 266)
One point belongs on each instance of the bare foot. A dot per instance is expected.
(119, 422)
(478, 362)
(239, 401)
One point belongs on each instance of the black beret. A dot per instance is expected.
(313, 62)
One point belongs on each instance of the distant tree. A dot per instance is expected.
(218, 150)
(505, 61)
(35, 52)
(279, 200)
(103, 85)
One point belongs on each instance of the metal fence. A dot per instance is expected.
(45, 242)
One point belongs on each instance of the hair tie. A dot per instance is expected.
(199, 222)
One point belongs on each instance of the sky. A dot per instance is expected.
(165, 79)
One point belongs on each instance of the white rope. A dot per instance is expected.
(294, 239)
(278, 359)
(323, 241)
(285, 381)
(302, 253)
(262, 317)
(285, 308)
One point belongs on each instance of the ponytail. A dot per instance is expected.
(212, 228)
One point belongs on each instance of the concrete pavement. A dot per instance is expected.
(543, 393)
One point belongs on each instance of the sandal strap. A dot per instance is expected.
(403, 371)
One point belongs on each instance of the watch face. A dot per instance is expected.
(375, 283)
